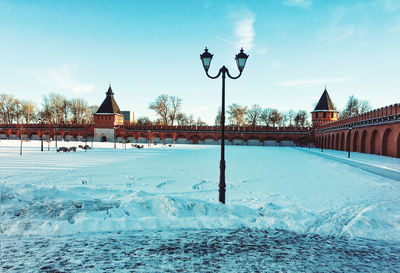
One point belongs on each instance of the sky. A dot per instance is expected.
(148, 48)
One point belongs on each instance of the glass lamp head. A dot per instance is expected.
(206, 59)
(241, 59)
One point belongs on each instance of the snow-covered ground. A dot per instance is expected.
(177, 187)
(174, 188)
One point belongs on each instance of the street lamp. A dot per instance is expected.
(240, 59)
(148, 138)
(123, 137)
(322, 143)
(42, 122)
(48, 140)
(349, 142)
(86, 136)
(115, 138)
(22, 136)
(66, 136)
(55, 135)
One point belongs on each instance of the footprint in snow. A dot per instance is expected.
(163, 184)
(199, 186)
(232, 186)
(131, 181)
(84, 180)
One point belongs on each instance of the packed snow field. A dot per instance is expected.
(289, 202)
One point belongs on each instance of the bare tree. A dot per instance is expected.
(9, 108)
(253, 114)
(265, 116)
(78, 108)
(300, 119)
(65, 109)
(46, 113)
(161, 106)
(218, 117)
(29, 111)
(89, 114)
(17, 110)
(237, 114)
(54, 105)
(364, 106)
(291, 115)
(181, 118)
(284, 120)
(176, 103)
(351, 108)
(275, 117)
(199, 122)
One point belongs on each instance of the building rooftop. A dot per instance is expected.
(325, 103)
(109, 105)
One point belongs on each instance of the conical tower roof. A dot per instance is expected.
(109, 105)
(325, 103)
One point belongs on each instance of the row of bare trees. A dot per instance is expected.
(256, 115)
(168, 110)
(55, 109)
(14, 110)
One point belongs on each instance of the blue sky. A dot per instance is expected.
(147, 48)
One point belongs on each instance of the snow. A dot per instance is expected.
(176, 188)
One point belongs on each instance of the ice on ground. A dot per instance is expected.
(169, 188)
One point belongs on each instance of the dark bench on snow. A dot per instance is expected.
(65, 149)
(62, 149)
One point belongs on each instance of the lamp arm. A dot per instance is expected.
(215, 77)
(233, 78)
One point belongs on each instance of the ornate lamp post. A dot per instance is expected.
(241, 59)
(42, 122)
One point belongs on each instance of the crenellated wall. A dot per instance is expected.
(257, 135)
(374, 132)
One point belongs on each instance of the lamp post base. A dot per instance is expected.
(222, 184)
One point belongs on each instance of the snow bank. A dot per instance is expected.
(381, 170)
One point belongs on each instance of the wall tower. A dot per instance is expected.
(107, 117)
(324, 112)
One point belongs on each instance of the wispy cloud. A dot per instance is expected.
(63, 78)
(298, 3)
(226, 40)
(312, 82)
(335, 34)
(339, 29)
(244, 31)
(389, 5)
(396, 25)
